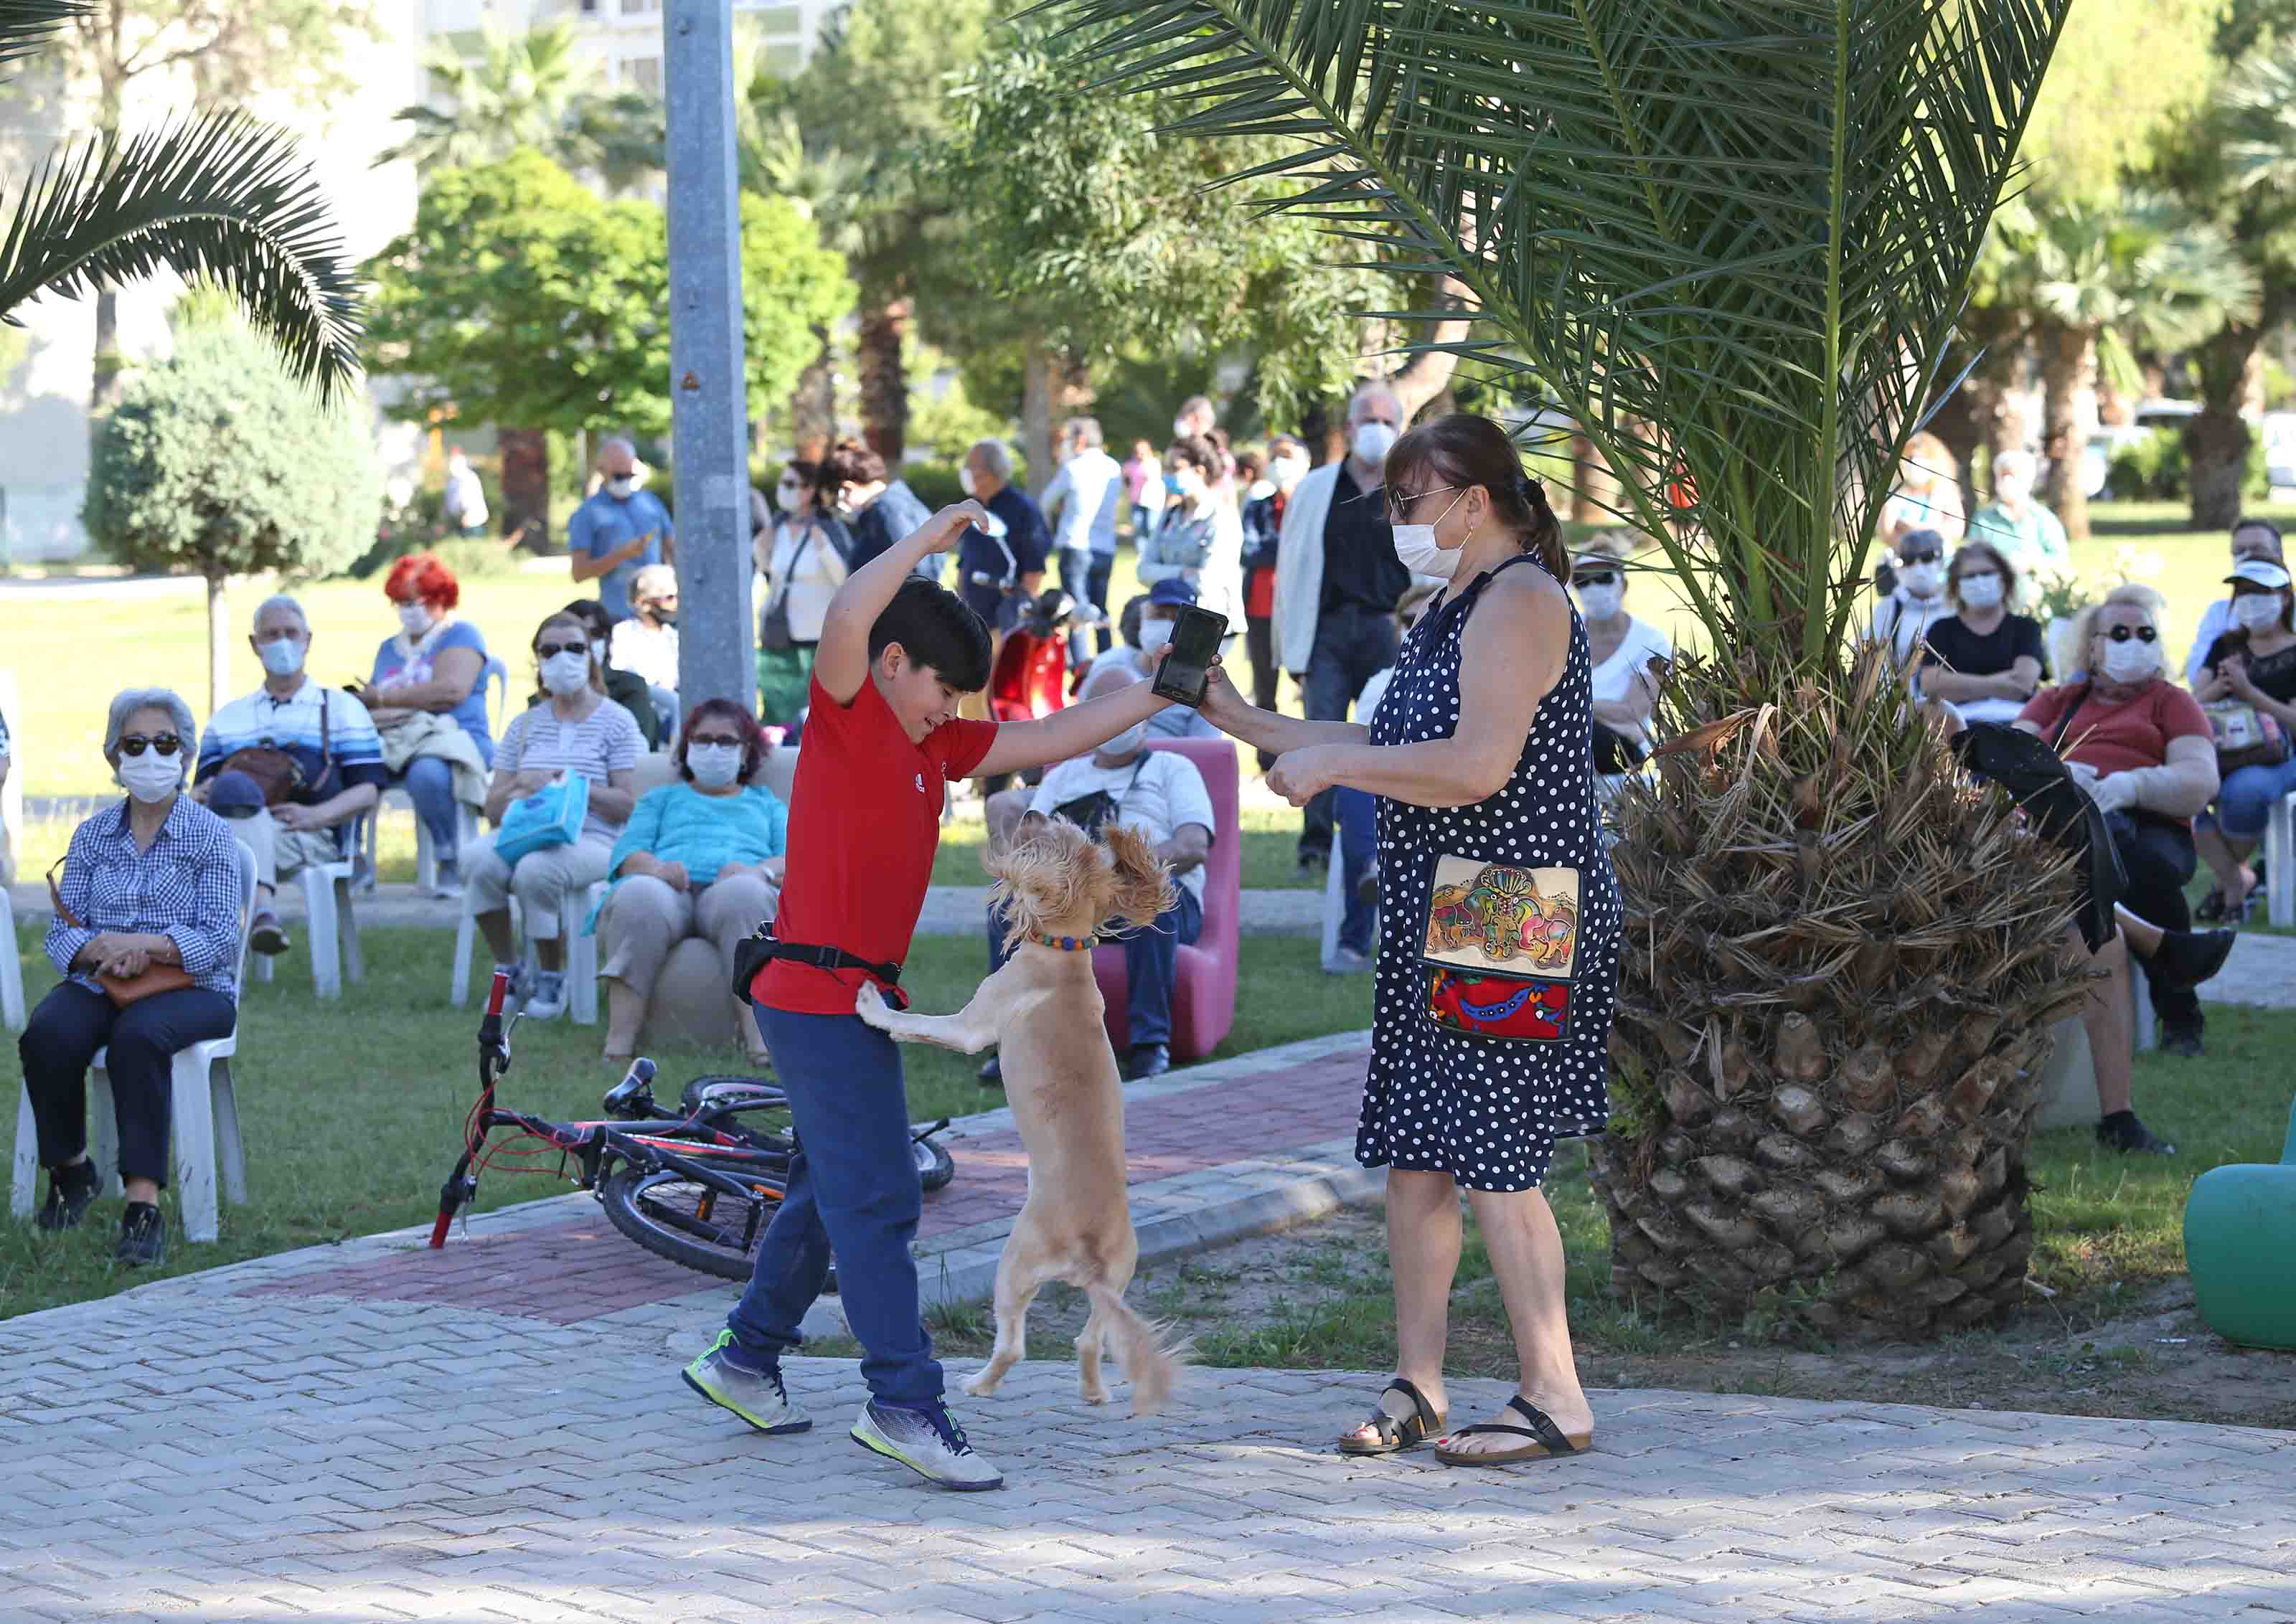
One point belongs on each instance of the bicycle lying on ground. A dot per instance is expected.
(697, 1185)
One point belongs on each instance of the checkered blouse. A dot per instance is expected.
(186, 887)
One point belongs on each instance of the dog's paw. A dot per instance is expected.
(869, 1004)
(980, 1386)
(1093, 1395)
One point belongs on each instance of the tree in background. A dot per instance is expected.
(233, 52)
(216, 461)
(521, 296)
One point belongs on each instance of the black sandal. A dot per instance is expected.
(1548, 1441)
(1424, 1422)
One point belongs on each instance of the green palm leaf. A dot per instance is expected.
(217, 195)
(1733, 237)
(25, 25)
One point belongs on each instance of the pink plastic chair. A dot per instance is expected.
(1203, 991)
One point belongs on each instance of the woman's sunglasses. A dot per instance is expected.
(2142, 635)
(133, 744)
(543, 651)
(713, 739)
(1931, 556)
(1600, 577)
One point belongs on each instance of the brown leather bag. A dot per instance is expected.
(280, 776)
(122, 990)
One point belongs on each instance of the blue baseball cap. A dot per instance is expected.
(234, 795)
(1172, 592)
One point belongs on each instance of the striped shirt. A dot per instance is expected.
(606, 740)
(295, 724)
(185, 888)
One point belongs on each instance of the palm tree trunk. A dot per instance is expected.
(2068, 360)
(813, 402)
(218, 642)
(104, 388)
(2217, 441)
(525, 488)
(884, 379)
(1425, 380)
(1039, 383)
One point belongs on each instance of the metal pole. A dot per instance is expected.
(708, 380)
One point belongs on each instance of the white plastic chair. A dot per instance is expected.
(581, 953)
(2280, 863)
(331, 921)
(2146, 1027)
(12, 968)
(494, 678)
(206, 1128)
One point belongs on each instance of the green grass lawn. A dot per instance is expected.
(352, 1111)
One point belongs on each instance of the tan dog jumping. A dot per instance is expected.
(1044, 1013)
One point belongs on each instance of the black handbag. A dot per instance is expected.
(2061, 811)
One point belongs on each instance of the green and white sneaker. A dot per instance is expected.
(928, 1442)
(756, 1396)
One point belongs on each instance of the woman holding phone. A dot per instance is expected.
(1499, 926)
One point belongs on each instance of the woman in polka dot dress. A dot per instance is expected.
(1480, 754)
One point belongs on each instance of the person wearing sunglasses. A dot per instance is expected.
(1981, 659)
(576, 730)
(626, 689)
(1630, 655)
(2249, 683)
(800, 566)
(152, 881)
(1916, 601)
(2143, 748)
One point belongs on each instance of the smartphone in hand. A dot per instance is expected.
(1187, 668)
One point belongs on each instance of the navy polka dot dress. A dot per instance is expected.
(1487, 1113)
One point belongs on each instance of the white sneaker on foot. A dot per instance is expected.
(548, 1001)
(928, 1442)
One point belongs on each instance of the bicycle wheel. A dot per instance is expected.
(674, 1216)
(935, 1166)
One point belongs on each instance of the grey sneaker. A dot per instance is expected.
(1347, 961)
(448, 881)
(756, 1396)
(928, 1442)
(548, 1001)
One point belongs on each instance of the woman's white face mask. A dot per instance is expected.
(414, 619)
(1417, 550)
(2256, 610)
(565, 674)
(1982, 589)
(2131, 661)
(714, 766)
(150, 777)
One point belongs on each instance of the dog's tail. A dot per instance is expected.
(1152, 1356)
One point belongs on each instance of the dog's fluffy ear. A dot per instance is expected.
(1144, 881)
(1044, 877)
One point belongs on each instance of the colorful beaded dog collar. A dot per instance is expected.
(1067, 944)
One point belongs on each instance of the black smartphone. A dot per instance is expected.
(1196, 637)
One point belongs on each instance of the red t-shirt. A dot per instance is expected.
(2118, 737)
(863, 824)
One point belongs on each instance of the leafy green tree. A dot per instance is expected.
(213, 461)
(2124, 72)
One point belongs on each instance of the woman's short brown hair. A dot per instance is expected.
(567, 617)
(1199, 453)
(1976, 552)
(1465, 449)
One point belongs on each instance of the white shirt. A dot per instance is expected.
(1614, 678)
(806, 559)
(1081, 501)
(1158, 793)
(464, 498)
(1902, 620)
(2216, 620)
(1173, 721)
(650, 651)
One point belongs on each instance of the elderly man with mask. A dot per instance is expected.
(2029, 536)
(619, 530)
(1160, 793)
(1007, 557)
(289, 765)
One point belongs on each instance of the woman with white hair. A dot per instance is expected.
(646, 643)
(146, 935)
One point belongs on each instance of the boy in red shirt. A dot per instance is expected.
(881, 742)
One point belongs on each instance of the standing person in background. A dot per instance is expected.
(1630, 656)
(1195, 420)
(1144, 483)
(1927, 493)
(619, 530)
(1263, 531)
(2029, 536)
(2251, 538)
(1918, 601)
(1006, 554)
(647, 642)
(1199, 538)
(1081, 505)
(802, 567)
(1338, 581)
(878, 509)
(464, 505)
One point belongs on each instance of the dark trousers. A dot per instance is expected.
(61, 1041)
(1358, 818)
(1260, 643)
(1151, 965)
(1095, 589)
(853, 1188)
(2160, 858)
(1353, 644)
(1076, 581)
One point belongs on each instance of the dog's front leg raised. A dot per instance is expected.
(968, 1031)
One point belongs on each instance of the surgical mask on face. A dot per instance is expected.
(786, 494)
(2255, 610)
(1154, 635)
(2012, 488)
(151, 776)
(1600, 603)
(1371, 443)
(1416, 548)
(1288, 471)
(964, 478)
(1127, 742)
(714, 766)
(414, 619)
(623, 486)
(282, 657)
(2132, 661)
(1180, 429)
(565, 674)
(1922, 580)
(1982, 591)
(598, 649)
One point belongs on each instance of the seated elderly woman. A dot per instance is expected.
(1981, 659)
(700, 857)
(428, 701)
(2144, 751)
(150, 885)
(576, 729)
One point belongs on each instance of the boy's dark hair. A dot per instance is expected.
(935, 628)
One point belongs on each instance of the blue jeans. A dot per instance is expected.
(1152, 960)
(1076, 581)
(1095, 588)
(1354, 812)
(2245, 802)
(852, 1187)
(430, 784)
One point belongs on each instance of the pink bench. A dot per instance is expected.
(1203, 995)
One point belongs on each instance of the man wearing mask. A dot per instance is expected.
(1160, 793)
(1338, 581)
(1263, 530)
(290, 817)
(2029, 536)
(995, 563)
(621, 529)
(1081, 502)
(1918, 601)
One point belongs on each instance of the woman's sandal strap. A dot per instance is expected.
(1542, 1426)
(1424, 1413)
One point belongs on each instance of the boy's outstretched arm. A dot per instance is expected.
(1067, 733)
(840, 661)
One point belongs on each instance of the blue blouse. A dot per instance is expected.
(185, 888)
(471, 715)
(678, 823)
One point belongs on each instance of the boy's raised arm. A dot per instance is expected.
(840, 661)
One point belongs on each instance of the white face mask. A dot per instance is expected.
(1922, 580)
(624, 486)
(151, 776)
(1154, 635)
(2012, 488)
(714, 766)
(964, 478)
(1600, 603)
(1371, 443)
(1982, 591)
(282, 657)
(786, 495)
(1127, 743)
(565, 674)
(1180, 429)
(1418, 550)
(1288, 471)
(2255, 610)
(2132, 661)
(598, 649)
(414, 619)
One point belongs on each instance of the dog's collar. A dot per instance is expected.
(1067, 944)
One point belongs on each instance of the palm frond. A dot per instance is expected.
(217, 195)
(25, 25)
(1732, 235)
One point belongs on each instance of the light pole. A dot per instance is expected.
(708, 378)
